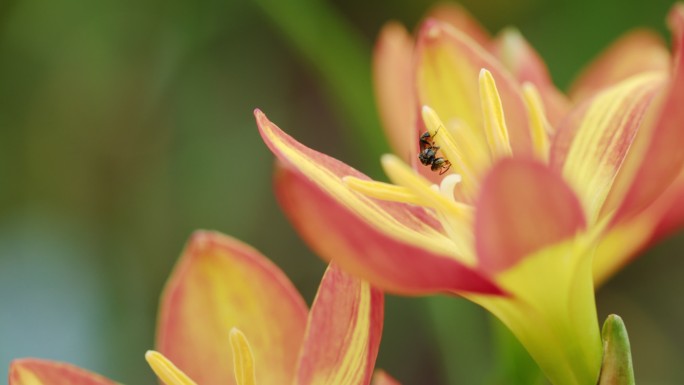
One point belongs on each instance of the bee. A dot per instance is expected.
(428, 154)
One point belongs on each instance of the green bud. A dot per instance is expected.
(617, 357)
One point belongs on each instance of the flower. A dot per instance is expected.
(541, 194)
(226, 302)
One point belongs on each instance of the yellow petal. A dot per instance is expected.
(220, 283)
(592, 145)
(551, 310)
(449, 64)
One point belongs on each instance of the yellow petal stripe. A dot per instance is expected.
(603, 138)
(343, 333)
(166, 370)
(243, 360)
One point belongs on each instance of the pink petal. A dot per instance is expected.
(343, 333)
(335, 232)
(527, 66)
(448, 68)
(31, 371)
(458, 17)
(636, 52)
(523, 207)
(593, 142)
(343, 225)
(659, 156)
(392, 65)
(220, 283)
(382, 378)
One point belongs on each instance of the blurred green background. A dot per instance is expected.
(125, 125)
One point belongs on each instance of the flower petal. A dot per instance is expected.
(527, 66)
(220, 283)
(592, 144)
(334, 231)
(457, 16)
(449, 64)
(619, 245)
(392, 65)
(30, 371)
(636, 52)
(398, 247)
(658, 158)
(343, 332)
(551, 309)
(523, 207)
(382, 378)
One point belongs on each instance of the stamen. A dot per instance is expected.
(539, 126)
(380, 190)
(403, 175)
(165, 370)
(446, 188)
(456, 217)
(243, 359)
(493, 114)
(448, 145)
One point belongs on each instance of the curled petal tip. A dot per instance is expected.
(431, 28)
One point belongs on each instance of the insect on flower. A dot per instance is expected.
(428, 154)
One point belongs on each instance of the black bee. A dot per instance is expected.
(428, 154)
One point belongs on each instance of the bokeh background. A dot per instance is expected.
(125, 125)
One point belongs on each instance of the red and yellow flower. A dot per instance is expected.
(545, 195)
(229, 316)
